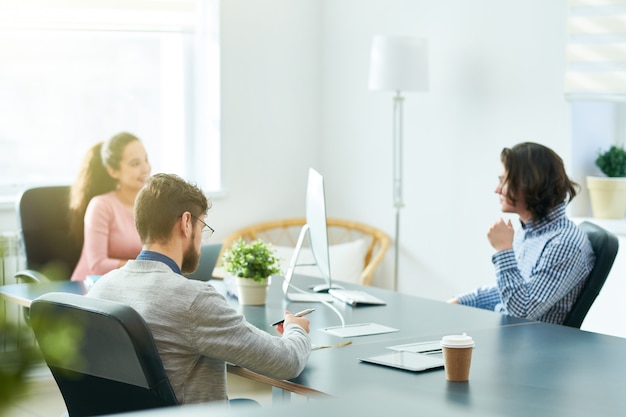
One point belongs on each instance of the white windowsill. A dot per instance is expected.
(616, 226)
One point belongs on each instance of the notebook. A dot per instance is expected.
(409, 361)
(355, 297)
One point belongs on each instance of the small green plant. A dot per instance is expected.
(256, 260)
(612, 162)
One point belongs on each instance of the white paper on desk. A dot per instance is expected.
(230, 282)
(362, 329)
(432, 346)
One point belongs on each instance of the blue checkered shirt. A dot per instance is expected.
(544, 273)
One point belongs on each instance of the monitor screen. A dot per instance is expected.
(317, 231)
(316, 220)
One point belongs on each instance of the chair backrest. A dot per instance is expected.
(101, 354)
(605, 246)
(43, 222)
(285, 233)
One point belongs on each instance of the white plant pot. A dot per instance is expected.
(252, 292)
(608, 197)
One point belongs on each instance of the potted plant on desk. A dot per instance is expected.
(608, 194)
(252, 264)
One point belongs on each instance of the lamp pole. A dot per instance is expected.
(398, 203)
(398, 63)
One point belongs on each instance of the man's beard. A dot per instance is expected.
(191, 257)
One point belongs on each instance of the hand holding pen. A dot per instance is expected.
(290, 317)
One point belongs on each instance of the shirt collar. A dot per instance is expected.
(557, 212)
(148, 255)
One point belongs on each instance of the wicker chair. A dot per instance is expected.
(285, 233)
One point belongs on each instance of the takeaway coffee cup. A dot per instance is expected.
(457, 356)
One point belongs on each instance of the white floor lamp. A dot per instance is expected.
(398, 63)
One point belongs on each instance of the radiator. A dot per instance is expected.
(12, 260)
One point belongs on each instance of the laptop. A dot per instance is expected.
(208, 260)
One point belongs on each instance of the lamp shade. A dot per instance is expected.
(399, 63)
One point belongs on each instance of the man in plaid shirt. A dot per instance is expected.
(541, 268)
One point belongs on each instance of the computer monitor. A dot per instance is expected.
(317, 230)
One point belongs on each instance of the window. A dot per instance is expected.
(71, 76)
(595, 85)
(596, 50)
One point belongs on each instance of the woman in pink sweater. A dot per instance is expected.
(102, 201)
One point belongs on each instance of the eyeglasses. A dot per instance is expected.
(206, 229)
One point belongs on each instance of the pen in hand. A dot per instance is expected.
(298, 314)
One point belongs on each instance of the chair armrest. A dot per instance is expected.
(31, 276)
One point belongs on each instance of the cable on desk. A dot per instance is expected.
(326, 303)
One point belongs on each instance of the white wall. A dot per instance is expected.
(496, 79)
(271, 118)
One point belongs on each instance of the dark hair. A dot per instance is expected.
(160, 203)
(93, 178)
(538, 173)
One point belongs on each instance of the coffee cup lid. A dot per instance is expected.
(457, 341)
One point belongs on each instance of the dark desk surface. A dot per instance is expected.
(527, 370)
(519, 367)
(516, 370)
(411, 315)
(24, 294)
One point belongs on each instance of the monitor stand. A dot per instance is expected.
(325, 287)
(320, 290)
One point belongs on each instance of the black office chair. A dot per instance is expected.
(43, 222)
(101, 354)
(605, 246)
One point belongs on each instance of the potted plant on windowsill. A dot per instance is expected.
(252, 264)
(608, 194)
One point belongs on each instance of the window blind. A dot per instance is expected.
(117, 15)
(596, 50)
